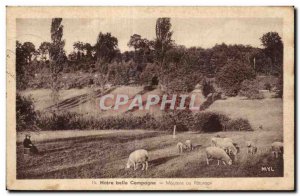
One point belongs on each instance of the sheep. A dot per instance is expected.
(229, 148)
(252, 148)
(181, 147)
(277, 148)
(138, 157)
(218, 154)
(227, 145)
(189, 145)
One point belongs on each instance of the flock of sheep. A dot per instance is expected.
(221, 149)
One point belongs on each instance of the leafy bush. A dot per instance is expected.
(230, 77)
(67, 120)
(239, 125)
(208, 122)
(268, 86)
(215, 122)
(183, 119)
(26, 116)
(250, 89)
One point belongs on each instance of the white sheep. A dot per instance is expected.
(138, 157)
(277, 148)
(252, 148)
(226, 144)
(189, 145)
(181, 147)
(217, 154)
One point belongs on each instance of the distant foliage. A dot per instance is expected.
(105, 49)
(273, 48)
(148, 74)
(207, 87)
(118, 73)
(250, 89)
(24, 67)
(230, 77)
(26, 116)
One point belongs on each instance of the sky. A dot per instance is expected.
(199, 32)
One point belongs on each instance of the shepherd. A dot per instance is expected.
(29, 145)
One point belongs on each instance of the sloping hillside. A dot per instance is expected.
(80, 101)
(264, 112)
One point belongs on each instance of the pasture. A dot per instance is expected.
(105, 156)
(104, 153)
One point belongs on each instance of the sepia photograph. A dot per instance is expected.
(144, 98)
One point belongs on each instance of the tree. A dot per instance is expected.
(24, 68)
(105, 48)
(79, 46)
(26, 117)
(44, 50)
(134, 41)
(273, 47)
(20, 66)
(250, 89)
(57, 57)
(141, 48)
(28, 51)
(163, 41)
(230, 77)
(88, 48)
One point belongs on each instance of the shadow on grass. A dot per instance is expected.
(197, 146)
(162, 160)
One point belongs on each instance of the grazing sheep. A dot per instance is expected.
(217, 154)
(277, 148)
(138, 157)
(252, 149)
(181, 147)
(189, 145)
(227, 145)
(229, 148)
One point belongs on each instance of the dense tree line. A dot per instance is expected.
(176, 67)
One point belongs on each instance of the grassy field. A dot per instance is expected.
(265, 112)
(104, 153)
(105, 156)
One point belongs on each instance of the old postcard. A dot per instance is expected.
(150, 98)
